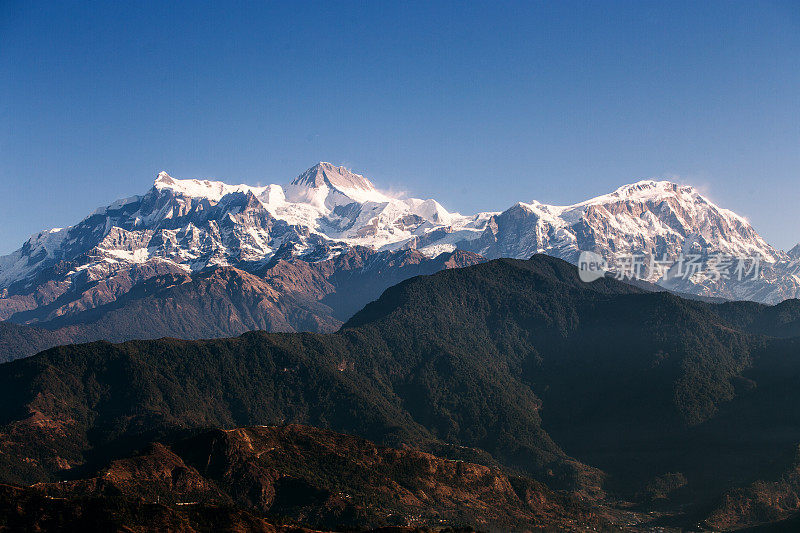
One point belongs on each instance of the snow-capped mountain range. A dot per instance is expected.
(188, 225)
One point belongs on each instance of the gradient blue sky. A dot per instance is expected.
(476, 104)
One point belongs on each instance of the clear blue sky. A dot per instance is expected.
(476, 104)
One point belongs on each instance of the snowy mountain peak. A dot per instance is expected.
(646, 191)
(193, 188)
(651, 186)
(325, 186)
(794, 253)
(163, 180)
(326, 174)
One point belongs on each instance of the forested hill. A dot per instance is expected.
(587, 387)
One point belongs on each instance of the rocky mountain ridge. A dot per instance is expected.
(181, 227)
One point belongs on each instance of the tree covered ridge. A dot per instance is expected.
(519, 362)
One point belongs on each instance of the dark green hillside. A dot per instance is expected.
(105, 398)
(611, 367)
(539, 321)
(781, 320)
(21, 341)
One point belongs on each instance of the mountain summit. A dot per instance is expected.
(326, 186)
(325, 174)
(211, 190)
